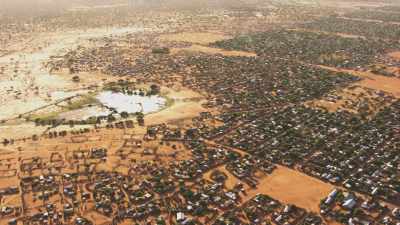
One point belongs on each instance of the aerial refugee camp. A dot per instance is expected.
(199, 112)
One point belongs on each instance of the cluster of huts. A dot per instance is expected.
(351, 208)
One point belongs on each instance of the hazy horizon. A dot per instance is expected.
(45, 7)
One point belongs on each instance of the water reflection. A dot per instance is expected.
(131, 103)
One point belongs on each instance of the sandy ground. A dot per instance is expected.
(210, 50)
(199, 42)
(370, 90)
(86, 8)
(292, 187)
(197, 38)
(349, 4)
(376, 82)
(112, 139)
(26, 84)
(20, 130)
(186, 105)
(373, 81)
(395, 55)
(83, 113)
(178, 111)
(353, 99)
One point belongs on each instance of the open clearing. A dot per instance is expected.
(209, 50)
(370, 94)
(198, 38)
(292, 187)
(186, 105)
(26, 84)
(354, 99)
(373, 81)
(377, 82)
(395, 55)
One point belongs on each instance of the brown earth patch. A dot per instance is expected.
(395, 55)
(292, 187)
(210, 50)
(198, 38)
(187, 104)
(373, 81)
(354, 99)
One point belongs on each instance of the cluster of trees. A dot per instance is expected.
(91, 120)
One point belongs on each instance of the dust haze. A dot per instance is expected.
(24, 8)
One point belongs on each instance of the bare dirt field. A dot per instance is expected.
(196, 38)
(292, 187)
(373, 91)
(354, 99)
(21, 130)
(395, 55)
(210, 50)
(186, 105)
(351, 4)
(387, 84)
(26, 84)
(373, 81)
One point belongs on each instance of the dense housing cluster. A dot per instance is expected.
(107, 59)
(313, 47)
(213, 168)
(370, 29)
(236, 82)
(332, 147)
(350, 208)
(178, 192)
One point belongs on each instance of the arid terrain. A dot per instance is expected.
(200, 112)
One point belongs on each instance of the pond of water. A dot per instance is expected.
(122, 102)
